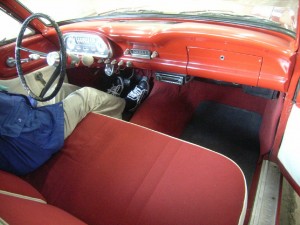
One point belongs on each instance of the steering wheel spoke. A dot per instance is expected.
(59, 72)
(42, 54)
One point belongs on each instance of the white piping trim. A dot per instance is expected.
(244, 209)
(22, 196)
(2, 222)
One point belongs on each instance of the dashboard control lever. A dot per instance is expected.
(109, 69)
(121, 63)
(128, 64)
(73, 60)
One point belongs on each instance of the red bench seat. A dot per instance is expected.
(113, 172)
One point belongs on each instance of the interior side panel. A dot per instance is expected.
(14, 85)
(36, 42)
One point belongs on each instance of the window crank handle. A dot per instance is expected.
(39, 77)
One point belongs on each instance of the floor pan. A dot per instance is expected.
(228, 130)
(221, 118)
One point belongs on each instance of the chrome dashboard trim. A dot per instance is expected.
(140, 53)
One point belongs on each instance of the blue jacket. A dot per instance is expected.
(28, 135)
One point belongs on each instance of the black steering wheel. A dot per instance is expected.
(60, 56)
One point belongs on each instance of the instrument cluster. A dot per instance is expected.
(79, 43)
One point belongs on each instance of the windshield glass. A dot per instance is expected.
(262, 13)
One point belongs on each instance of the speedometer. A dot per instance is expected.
(101, 46)
(87, 44)
(70, 43)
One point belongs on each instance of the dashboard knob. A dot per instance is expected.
(87, 60)
(127, 52)
(128, 64)
(154, 54)
(121, 63)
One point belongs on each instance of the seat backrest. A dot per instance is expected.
(23, 204)
(14, 186)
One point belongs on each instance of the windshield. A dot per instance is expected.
(281, 14)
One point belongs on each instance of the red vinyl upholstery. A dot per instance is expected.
(15, 211)
(14, 186)
(20, 203)
(113, 172)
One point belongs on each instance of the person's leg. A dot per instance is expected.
(65, 90)
(78, 104)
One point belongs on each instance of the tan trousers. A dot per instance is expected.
(78, 102)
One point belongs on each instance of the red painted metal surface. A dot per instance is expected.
(257, 58)
(287, 107)
(224, 65)
(36, 42)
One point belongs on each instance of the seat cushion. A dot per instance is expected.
(14, 210)
(14, 186)
(113, 172)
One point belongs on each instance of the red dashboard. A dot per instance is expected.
(207, 50)
(219, 52)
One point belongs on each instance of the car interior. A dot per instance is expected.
(193, 150)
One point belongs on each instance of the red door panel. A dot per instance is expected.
(36, 42)
(286, 149)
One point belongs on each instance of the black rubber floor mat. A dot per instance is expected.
(228, 130)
